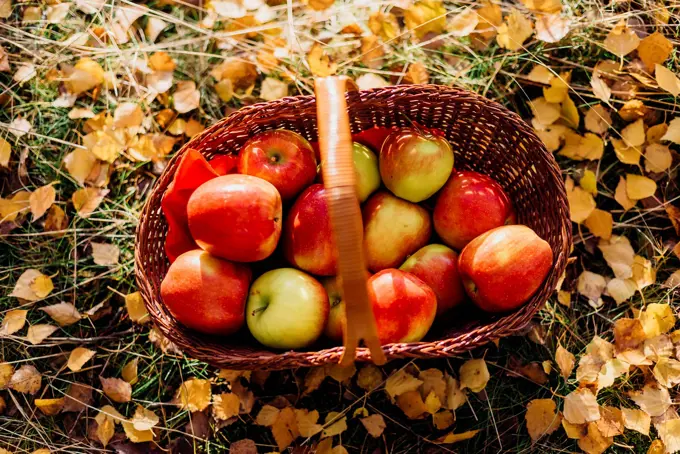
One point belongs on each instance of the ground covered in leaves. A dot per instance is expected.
(96, 95)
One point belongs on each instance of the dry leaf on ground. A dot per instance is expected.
(580, 406)
(32, 285)
(474, 375)
(64, 314)
(13, 321)
(78, 357)
(136, 308)
(26, 379)
(38, 333)
(116, 389)
(193, 395)
(541, 418)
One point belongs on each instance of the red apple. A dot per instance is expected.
(415, 164)
(206, 293)
(502, 268)
(284, 158)
(307, 237)
(437, 266)
(404, 307)
(393, 229)
(236, 217)
(336, 317)
(470, 204)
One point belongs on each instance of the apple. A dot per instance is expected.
(308, 241)
(470, 204)
(236, 217)
(206, 293)
(286, 309)
(367, 172)
(502, 268)
(336, 317)
(393, 229)
(404, 306)
(437, 266)
(415, 164)
(283, 158)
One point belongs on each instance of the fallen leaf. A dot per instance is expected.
(32, 286)
(14, 320)
(657, 318)
(658, 158)
(591, 285)
(600, 223)
(64, 314)
(541, 418)
(654, 49)
(577, 147)
(673, 132)
(463, 23)
(401, 382)
(619, 255)
(6, 372)
(667, 372)
(416, 74)
(541, 74)
(456, 437)
(56, 220)
(455, 397)
(611, 422)
(474, 375)
(86, 75)
(639, 187)
(644, 273)
(658, 347)
(5, 153)
(50, 407)
(552, 136)
(226, 406)
(78, 397)
(581, 203)
(38, 333)
(86, 200)
(136, 308)
(580, 406)
(372, 52)
(594, 442)
(621, 195)
(637, 420)
(105, 254)
(242, 73)
(412, 404)
(574, 431)
(285, 428)
(371, 80)
(384, 25)
(320, 63)
(634, 134)
(551, 28)
(374, 424)
(267, 416)
(193, 395)
(232, 375)
(545, 112)
(432, 403)
(245, 446)
(154, 27)
(116, 389)
(129, 371)
(514, 31)
(600, 88)
(369, 377)
(597, 119)
(79, 164)
(186, 97)
(433, 381)
(611, 370)
(128, 115)
(24, 73)
(443, 419)
(621, 289)
(425, 16)
(628, 334)
(335, 428)
(19, 127)
(652, 399)
(78, 357)
(565, 361)
(621, 40)
(307, 422)
(667, 80)
(137, 436)
(26, 379)
(105, 428)
(558, 90)
(341, 373)
(669, 432)
(272, 89)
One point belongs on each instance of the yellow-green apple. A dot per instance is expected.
(437, 266)
(414, 165)
(404, 306)
(308, 240)
(286, 309)
(366, 167)
(470, 204)
(206, 293)
(336, 317)
(236, 217)
(393, 229)
(502, 268)
(284, 158)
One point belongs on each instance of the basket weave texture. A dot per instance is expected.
(485, 137)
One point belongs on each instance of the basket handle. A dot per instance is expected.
(335, 143)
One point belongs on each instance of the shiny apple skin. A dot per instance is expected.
(336, 317)
(437, 266)
(308, 241)
(283, 158)
(404, 306)
(470, 204)
(206, 293)
(414, 165)
(236, 217)
(502, 268)
(393, 229)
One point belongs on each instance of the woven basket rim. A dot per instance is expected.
(425, 349)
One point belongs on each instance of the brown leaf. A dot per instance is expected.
(56, 220)
(565, 361)
(79, 164)
(78, 357)
(225, 406)
(600, 223)
(77, 398)
(375, 425)
(628, 334)
(411, 403)
(307, 422)
(105, 254)
(654, 49)
(285, 428)
(38, 333)
(533, 371)
(369, 377)
(621, 40)
(245, 395)
(384, 25)
(41, 200)
(116, 389)
(541, 418)
(658, 158)
(245, 446)
(341, 373)
(594, 442)
(64, 314)
(320, 63)
(611, 422)
(372, 52)
(597, 119)
(86, 200)
(193, 395)
(425, 16)
(161, 61)
(416, 73)
(443, 419)
(241, 73)
(637, 420)
(32, 285)
(50, 407)
(14, 320)
(26, 379)
(580, 406)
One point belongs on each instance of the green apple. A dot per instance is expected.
(336, 316)
(286, 309)
(367, 171)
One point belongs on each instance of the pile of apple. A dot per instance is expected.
(233, 215)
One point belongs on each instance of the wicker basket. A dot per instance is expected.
(486, 138)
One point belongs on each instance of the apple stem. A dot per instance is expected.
(259, 309)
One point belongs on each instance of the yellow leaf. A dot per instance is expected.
(78, 357)
(657, 318)
(5, 152)
(56, 221)
(600, 88)
(86, 200)
(443, 419)
(667, 80)
(411, 403)
(552, 136)
(242, 73)
(49, 407)
(619, 255)
(384, 25)
(541, 418)
(129, 372)
(541, 74)
(137, 436)
(335, 428)
(38, 333)
(600, 223)
(307, 422)
(673, 132)
(375, 425)
(401, 382)
(63, 313)
(621, 40)
(558, 90)
(514, 31)
(546, 113)
(551, 28)
(543, 6)
(463, 23)
(658, 347)
(32, 285)
(652, 399)
(320, 63)
(634, 134)
(589, 146)
(105, 428)
(656, 132)
(594, 442)
(6, 372)
(564, 298)
(658, 158)
(193, 127)
(589, 182)
(669, 432)
(433, 381)
(643, 273)
(161, 61)
(267, 416)
(193, 395)
(574, 431)
(565, 361)
(79, 164)
(416, 74)
(11, 208)
(231, 375)
(26, 380)
(128, 115)
(613, 369)
(474, 375)
(580, 406)
(144, 419)
(455, 397)
(621, 289)
(136, 308)
(285, 428)
(225, 90)
(569, 113)
(455, 438)
(432, 403)
(372, 55)
(654, 49)
(667, 372)
(225, 406)
(186, 97)
(425, 16)
(637, 420)
(116, 389)
(621, 195)
(320, 5)
(581, 203)
(369, 377)
(14, 320)
(639, 187)
(341, 373)
(597, 119)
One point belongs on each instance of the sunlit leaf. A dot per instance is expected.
(541, 418)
